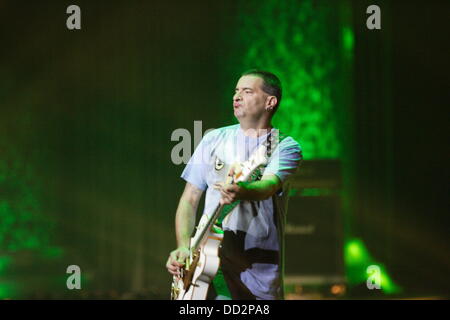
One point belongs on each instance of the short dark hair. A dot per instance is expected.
(271, 83)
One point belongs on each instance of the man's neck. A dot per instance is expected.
(256, 130)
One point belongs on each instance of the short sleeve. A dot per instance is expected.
(285, 160)
(196, 169)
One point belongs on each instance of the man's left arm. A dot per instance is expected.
(251, 191)
(288, 157)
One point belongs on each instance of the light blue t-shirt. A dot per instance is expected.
(253, 250)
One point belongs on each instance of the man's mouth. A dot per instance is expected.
(236, 105)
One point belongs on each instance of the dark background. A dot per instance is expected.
(401, 78)
(86, 117)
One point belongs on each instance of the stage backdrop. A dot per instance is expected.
(87, 116)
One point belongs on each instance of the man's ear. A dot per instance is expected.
(271, 103)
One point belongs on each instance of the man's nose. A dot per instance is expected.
(237, 97)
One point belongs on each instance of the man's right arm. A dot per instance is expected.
(185, 215)
(184, 225)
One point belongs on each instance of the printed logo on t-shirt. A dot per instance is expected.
(219, 164)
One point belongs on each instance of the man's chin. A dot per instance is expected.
(238, 114)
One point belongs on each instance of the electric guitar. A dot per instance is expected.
(203, 261)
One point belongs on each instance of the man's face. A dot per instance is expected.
(249, 99)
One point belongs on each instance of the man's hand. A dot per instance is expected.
(230, 192)
(177, 260)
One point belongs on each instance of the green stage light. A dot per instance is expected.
(348, 40)
(358, 260)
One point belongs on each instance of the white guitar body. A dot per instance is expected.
(206, 268)
(203, 263)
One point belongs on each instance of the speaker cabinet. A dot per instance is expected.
(314, 238)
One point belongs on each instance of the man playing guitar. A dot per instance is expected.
(251, 252)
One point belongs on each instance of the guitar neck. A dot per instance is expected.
(207, 227)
